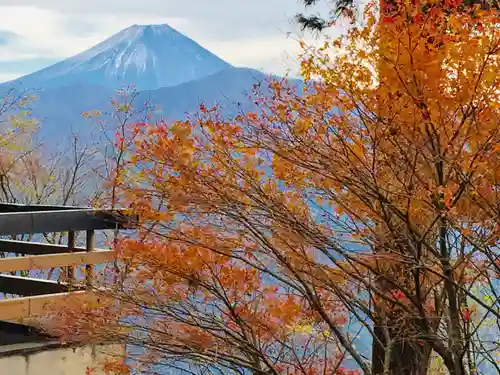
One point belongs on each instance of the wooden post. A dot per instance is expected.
(90, 245)
(71, 245)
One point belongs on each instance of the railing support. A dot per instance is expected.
(90, 246)
(70, 271)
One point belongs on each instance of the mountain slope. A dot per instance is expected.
(60, 108)
(228, 88)
(149, 56)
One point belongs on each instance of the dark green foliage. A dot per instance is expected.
(313, 23)
(317, 23)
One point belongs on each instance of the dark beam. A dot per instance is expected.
(26, 287)
(11, 333)
(35, 248)
(14, 207)
(63, 221)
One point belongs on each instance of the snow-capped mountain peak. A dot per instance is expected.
(149, 56)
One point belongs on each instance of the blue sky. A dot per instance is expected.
(258, 33)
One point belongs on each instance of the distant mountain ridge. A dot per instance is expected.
(60, 108)
(150, 56)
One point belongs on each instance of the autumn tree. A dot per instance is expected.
(350, 229)
(32, 172)
(35, 173)
(117, 137)
(16, 129)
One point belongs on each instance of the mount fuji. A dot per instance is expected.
(149, 56)
(169, 71)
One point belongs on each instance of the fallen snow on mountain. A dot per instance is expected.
(149, 56)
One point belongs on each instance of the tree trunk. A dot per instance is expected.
(406, 357)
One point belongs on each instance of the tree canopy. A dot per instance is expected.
(346, 227)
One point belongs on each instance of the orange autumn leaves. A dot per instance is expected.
(444, 88)
(264, 235)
